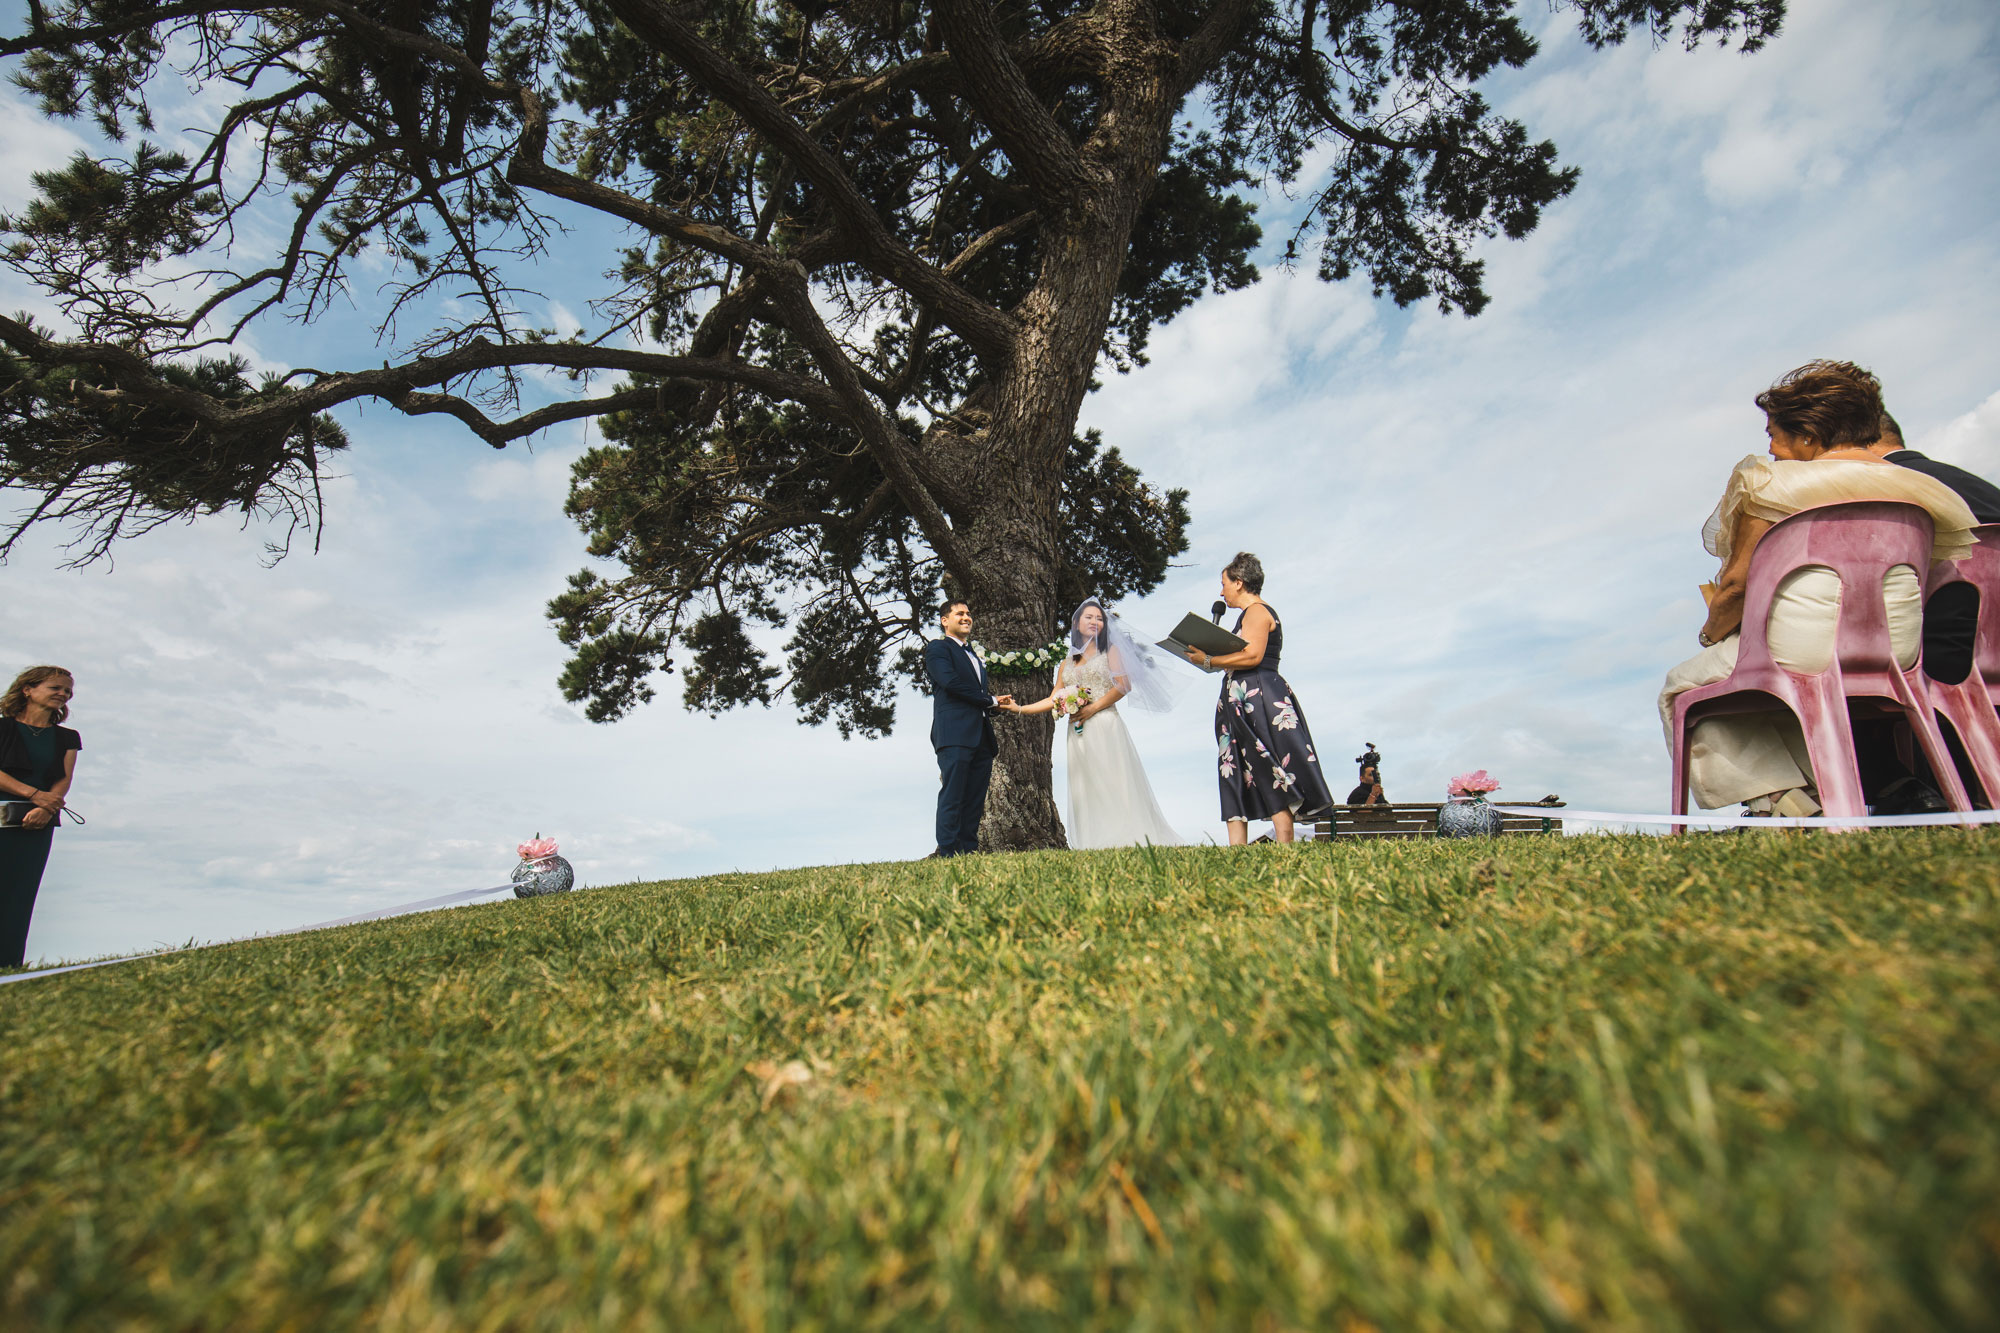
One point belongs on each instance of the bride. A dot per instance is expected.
(1110, 802)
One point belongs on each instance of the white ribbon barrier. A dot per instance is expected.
(1948, 817)
(426, 905)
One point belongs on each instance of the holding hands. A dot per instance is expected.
(1076, 703)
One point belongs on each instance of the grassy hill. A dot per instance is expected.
(1721, 1082)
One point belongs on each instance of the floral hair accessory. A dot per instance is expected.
(1475, 783)
(537, 848)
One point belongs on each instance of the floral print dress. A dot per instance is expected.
(1264, 751)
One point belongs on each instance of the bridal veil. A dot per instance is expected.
(1140, 668)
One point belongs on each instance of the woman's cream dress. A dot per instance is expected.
(1746, 755)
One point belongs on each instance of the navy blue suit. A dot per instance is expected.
(962, 735)
(1981, 496)
(1951, 617)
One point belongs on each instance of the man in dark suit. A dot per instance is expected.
(1981, 496)
(962, 705)
(1951, 621)
(1951, 617)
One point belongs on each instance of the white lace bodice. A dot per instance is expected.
(1095, 675)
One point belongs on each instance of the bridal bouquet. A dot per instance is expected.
(1073, 701)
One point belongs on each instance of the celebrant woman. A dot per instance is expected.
(1267, 766)
(37, 762)
(1111, 803)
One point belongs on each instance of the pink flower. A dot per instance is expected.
(1475, 783)
(537, 848)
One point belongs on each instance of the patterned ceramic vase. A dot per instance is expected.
(551, 874)
(1468, 817)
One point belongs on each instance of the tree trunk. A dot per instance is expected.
(1011, 591)
(1020, 806)
(1021, 452)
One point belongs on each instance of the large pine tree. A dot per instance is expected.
(878, 252)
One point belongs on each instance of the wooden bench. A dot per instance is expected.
(1419, 820)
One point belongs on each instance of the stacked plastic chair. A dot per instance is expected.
(1969, 704)
(1861, 542)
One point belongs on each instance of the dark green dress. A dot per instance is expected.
(25, 851)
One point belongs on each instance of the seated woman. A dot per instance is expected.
(1820, 420)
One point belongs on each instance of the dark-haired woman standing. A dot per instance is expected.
(37, 763)
(1265, 757)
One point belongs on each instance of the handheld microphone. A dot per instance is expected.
(1215, 612)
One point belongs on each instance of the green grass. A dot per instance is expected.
(1610, 1083)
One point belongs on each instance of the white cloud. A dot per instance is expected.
(520, 474)
(1971, 441)
(563, 321)
(29, 144)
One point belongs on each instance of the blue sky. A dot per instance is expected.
(1483, 535)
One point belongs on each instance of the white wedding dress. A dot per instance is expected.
(1110, 802)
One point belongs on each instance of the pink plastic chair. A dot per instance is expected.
(1860, 542)
(1969, 705)
(1983, 568)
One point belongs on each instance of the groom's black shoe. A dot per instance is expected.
(937, 855)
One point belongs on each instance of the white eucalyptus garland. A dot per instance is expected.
(1022, 660)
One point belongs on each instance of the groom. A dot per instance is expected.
(961, 733)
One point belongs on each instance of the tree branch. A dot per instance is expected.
(529, 170)
(990, 332)
(1312, 86)
(1217, 33)
(884, 440)
(137, 380)
(500, 433)
(1052, 165)
(988, 239)
(40, 37)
